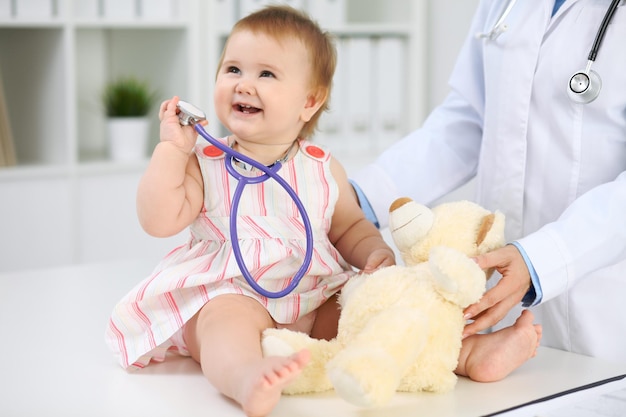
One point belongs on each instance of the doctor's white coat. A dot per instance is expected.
(557, 169)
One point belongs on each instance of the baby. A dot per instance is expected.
(272, 84)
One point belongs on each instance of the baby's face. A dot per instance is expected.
(262, 91)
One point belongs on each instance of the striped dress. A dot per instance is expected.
(147, 322)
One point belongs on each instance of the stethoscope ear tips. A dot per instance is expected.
(584, 87)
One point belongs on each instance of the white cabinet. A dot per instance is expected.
(66, 201)
(106, 219)
(37, 220)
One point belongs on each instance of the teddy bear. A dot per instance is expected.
(400, 328)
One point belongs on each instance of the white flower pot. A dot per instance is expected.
(128, 138)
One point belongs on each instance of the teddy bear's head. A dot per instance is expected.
(462, 225)
(444, 236)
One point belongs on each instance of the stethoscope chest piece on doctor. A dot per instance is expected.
(584, 86)
(190, 115)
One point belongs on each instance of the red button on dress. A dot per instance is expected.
(315, 152)
(212, 151)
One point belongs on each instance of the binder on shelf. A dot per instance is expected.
(296, 4)
(6, 9)
(390, 79)
(119, 9)
(226, 12)
(158, 10)
(248, 6)
(35, 9)
(328, 13)
(358, 56)
(332, 125)
(87, 9)
(7, 146)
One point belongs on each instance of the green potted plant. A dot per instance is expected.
(127, 102)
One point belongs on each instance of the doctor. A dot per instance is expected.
(553, 161)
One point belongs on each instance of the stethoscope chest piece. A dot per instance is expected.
(189, 114)
(584, 86)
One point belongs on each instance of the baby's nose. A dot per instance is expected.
(244, 87)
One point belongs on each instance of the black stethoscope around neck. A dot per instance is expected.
(585, 85)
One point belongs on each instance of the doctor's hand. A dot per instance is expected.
(509, 291)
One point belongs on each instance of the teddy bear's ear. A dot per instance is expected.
(484, 228)
(491, 232)
(409, 222)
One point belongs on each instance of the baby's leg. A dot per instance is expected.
(225, 338)
(491, 357)
(326, 320)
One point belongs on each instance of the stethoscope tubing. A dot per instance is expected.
(268, 172)
(603, 26)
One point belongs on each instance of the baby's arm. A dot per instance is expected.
(357, 239)
(170, 193)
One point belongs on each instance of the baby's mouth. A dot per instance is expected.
(247, 109)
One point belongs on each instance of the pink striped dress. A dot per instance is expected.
(147, 322)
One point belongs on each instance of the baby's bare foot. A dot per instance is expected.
(266, 382)
(491, 357)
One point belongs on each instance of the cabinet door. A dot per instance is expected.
(36, 228)
(107, 221)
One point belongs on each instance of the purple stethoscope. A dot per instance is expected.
(191, 115)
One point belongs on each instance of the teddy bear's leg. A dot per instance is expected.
(368, 371)
(283, 342)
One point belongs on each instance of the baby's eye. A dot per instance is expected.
(233, 70)
(266, 74)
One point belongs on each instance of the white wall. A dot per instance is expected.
(449, 22)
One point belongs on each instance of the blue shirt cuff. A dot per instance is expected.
(365, 204)
(534, 294)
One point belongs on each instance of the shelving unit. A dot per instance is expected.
(65, 201)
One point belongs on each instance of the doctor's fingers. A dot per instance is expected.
(492, 308)
(500, 259)
(509, 290)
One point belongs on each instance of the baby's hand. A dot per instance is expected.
(379, 258)
(184, 137)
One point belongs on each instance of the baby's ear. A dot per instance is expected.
(316, 99)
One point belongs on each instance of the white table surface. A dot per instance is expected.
(54, 362)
